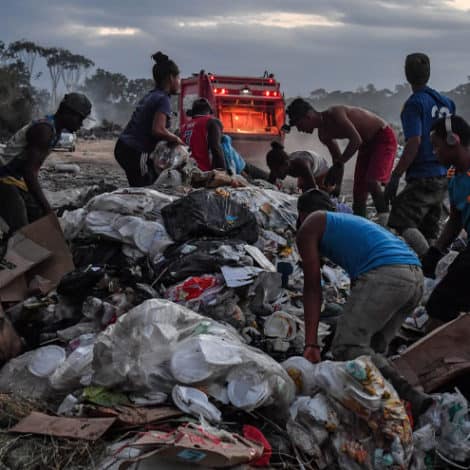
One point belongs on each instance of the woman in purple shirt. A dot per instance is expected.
(149, 124)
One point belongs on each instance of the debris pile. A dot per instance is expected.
(170, 326)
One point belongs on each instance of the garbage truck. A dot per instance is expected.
(251, 109)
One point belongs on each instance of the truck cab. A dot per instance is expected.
(251, 109)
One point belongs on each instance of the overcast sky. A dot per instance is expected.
(308, 44)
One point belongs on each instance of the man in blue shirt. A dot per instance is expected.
(451, 140)
(387, 284)
(417, 209)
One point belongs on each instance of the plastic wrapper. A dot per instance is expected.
(169, 156)
(205, 213)
(274, 210)
(449, 417)
(143, 202)
(370, 428)
(159, 344)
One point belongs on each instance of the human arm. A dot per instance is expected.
(38, 137)
(347, 129)
(302, 169)
(160, 131)
(450, 231)
(409, 154)
(214, 138)
(308, 239)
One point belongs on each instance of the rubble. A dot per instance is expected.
(177, 331)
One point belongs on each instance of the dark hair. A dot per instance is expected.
(315, 200)
(164, 68)
(297, 110)
(277, 155)
(459, 127)
(200, 106)
(417, 68)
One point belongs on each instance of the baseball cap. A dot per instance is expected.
(78, 103)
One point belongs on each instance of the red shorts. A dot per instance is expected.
(374, 162)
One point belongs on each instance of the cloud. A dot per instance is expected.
(277, 19)
(99, 31)
(459, 4)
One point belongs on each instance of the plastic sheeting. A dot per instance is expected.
(211, 214)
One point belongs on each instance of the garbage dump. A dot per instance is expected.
(170, 326)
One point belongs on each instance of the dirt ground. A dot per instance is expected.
(97, 164)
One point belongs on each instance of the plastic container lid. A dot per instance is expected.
(246, 389)
(46, 360)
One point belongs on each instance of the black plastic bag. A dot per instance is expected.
(209, 214)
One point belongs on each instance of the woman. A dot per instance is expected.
(149, 124)
(309, 168)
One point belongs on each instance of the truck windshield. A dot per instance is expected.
(258, 118)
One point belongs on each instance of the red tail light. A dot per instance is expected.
(274, 93)
(223, 91)
(216, 90)
(267, 93)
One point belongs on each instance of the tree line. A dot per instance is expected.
(114, 95)
(385, 102)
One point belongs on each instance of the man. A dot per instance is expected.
(416, 210)
(210, 147)
(387, 284)
(368, 134)
(203, 135)
(451, 141)
(309, 168)
(21, 196)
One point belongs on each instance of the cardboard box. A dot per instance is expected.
(38, 249)
(439, 357)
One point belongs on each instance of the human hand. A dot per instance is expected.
(334, 177)
(429, 261)
(312, 354)
(391, 189)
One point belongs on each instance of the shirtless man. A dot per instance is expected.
(368, 134)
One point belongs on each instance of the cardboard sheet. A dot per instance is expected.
(89, 429)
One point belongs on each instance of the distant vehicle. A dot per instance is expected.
(251, 109)
(66, 142)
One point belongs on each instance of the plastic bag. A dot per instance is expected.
(211, 214)
(159, 344)
(450, 419)
(233, 160)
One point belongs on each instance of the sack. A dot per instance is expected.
(233, 160)
(209, 214)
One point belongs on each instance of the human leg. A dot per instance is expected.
(452, 296)
(136, 165)
(382, 155)
(12, 207)
(372, 316)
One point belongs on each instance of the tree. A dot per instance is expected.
(137, 88)
(15, 97)
(27, 52)
(74, 67)
(106, 86)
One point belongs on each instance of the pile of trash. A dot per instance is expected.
(177, 333)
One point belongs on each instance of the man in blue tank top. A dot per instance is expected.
(451, 141)
(417, 209)
(387, 284)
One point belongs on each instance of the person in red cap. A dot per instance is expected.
(21, 196)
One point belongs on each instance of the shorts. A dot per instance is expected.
(419, 206)
(137, 165)
(452, 296)
(374, 162)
